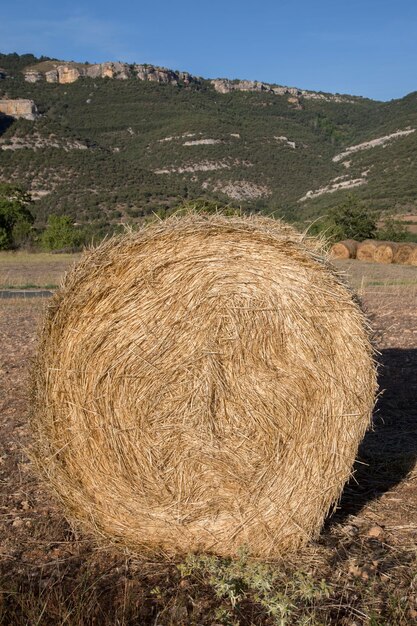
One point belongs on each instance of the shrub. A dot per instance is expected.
(61, 233)
(392, 230)
(15, 217)
(350, 220)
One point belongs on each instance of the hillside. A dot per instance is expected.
(105, 149)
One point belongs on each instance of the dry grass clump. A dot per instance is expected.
(344, 249)
(201, 385)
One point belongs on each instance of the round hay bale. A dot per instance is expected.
(202, 385)
(412, 259)
(403, 253)
(366, 250)
(385, 252)
(344, 249)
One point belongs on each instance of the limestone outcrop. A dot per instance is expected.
(19, 108)
(64, 73)
(224, 85)
(69, 73)
(116, 70)
(156, 74)
(33, 76)
(51, 76)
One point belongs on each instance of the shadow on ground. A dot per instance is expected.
(388, 453)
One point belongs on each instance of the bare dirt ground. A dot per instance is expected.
(362, 570)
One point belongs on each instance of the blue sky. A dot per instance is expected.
(362, 47)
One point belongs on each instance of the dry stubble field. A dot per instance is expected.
(362, 570)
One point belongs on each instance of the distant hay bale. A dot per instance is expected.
(202, 385)
(366, 250)
(412, 258)
(385, 252)
(404, 252)
(344, 249)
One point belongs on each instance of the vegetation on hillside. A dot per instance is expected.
(110, 152)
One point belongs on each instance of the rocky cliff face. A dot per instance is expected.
(32, 76)
(223, 85)
(69, 73)
(19, 108)
(64, 73)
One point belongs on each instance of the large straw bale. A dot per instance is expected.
(344, 249)
(203, 384)
(366, 250)
(385, 252)
(404, 252)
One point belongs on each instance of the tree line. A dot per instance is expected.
(351, 219)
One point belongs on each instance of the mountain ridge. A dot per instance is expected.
(65, 72)
(113, 151)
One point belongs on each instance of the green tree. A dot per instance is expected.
(392, 230)
(350, 220)
(60, 233)
(15, 217)
(354, 220)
